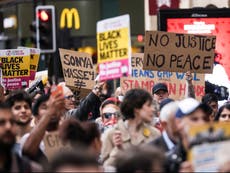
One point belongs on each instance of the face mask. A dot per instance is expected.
(120, 98)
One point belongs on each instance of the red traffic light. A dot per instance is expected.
(43, 15)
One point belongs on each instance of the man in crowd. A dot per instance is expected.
(20, 103)
(212, 101)
(160, 92)
(48, 111)
(89, 107)
(169, 137)
(9, 160)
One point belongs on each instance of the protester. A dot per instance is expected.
(70, 102)
(156, 120)
(144, 159)
(223, 113)
(134, 129)
(89, 106)
(189, 92)
(20, 103)
(110, 113)
(160, 92)
(190, 112)
(212, 100)
(170, 136)
(48, 111)
(119, 93)
(81, 134)
(9, 160)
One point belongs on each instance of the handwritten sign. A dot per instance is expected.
(209, 146)
(114, 47)
(78, 69)
(174, 80)
(179, 52)
(53, 144)
(15, 67)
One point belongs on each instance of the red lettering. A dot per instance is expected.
(182, 88)
(199, 90)
(172, 88)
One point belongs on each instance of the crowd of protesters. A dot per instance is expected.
(108, 131)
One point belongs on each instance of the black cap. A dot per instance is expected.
(159, 86)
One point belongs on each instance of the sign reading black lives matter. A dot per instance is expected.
(178, 52)
(77, 69)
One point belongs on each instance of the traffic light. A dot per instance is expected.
(46, 28)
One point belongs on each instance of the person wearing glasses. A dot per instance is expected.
(110, 113)
(70, 102)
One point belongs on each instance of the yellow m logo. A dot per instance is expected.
(69, 15)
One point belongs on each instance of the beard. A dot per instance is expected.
(7, 142)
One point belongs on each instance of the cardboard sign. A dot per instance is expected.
(209, 146)
(178, 52)
(78, 69)
(15, 67)
(175, 81)
(53, 144)
(114, 47)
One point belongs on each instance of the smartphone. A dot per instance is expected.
(56, 89)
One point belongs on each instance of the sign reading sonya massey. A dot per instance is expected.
(179, 52)
(77, 69)
(114, 47)
(15, 67)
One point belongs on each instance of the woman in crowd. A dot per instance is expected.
(134, 129)
(223, 113)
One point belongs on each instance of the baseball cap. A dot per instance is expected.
(189, 105)
(159, 86)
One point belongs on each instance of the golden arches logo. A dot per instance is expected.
(69, 15)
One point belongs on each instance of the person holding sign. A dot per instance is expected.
(88, 108)
(160, 90)
(48, 111)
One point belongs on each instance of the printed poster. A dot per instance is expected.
(114, 47)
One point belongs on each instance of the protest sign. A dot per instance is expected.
(53, 144)
(179, 52)
(174, 80)
(15, 67)
(34, 59)
(209, 146)
(78, 70)
(114, 47)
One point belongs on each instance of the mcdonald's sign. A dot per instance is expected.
(68, 15)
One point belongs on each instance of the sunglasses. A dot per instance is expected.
(109, 114)
(69, 97)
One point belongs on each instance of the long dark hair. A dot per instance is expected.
(226, 105)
